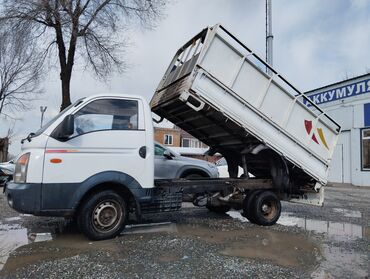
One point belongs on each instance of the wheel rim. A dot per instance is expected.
(269, 209)
(107, 215)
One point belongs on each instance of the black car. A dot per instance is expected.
(6, 172)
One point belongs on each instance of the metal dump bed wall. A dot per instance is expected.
(217, 70)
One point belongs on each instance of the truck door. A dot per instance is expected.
(109, 135)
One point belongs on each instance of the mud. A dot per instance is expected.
(284, 249)
(31, 248)
(307, 242)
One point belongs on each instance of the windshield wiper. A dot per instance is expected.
(29, 137)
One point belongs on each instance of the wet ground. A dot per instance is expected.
(308, 242)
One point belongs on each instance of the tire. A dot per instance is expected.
(265, 208)
(222, 209)
(103, 215)
(248, 205)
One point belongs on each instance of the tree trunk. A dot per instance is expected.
(4, 144)
(66, 98)
(66, 61)
(2, 102)
(65, 70)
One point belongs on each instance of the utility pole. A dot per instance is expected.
(269, 36)
(42, 110)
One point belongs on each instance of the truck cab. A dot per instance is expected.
(95, 142)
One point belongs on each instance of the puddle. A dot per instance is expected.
(337, 230)
(11, 237)
(280, 248)
(285, 249)
(348, 213)
(39, 237)
(15, 237)
(255, 243)
(10, 219)
(165, 227)
(337, 261)
(21, 248)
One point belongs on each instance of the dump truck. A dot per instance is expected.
(217, 90)
(94, 161)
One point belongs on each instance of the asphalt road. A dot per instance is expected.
(308, 242)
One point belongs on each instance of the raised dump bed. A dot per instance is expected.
(216, 89)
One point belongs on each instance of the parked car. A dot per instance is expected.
(6, 172)
(168, 164)
(223, 169)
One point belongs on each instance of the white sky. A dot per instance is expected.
(316, 43)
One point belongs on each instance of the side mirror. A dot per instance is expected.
(167, 154)
(67, 127)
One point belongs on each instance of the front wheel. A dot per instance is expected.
(103, 215)
(265, 208)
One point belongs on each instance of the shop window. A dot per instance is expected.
(365, 141)
(168, 139)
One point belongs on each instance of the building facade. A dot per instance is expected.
(189, 141)
(348, 103)
(176, 137)
(183, 143)
(167, 136)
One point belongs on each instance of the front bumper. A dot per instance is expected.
(24, 198)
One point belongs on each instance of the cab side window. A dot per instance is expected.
(106, 114)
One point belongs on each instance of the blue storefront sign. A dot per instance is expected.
(338, 93)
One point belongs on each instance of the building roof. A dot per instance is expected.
(336, 83)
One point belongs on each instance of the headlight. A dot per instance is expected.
(20, 173)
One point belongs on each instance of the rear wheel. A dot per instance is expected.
(103, 215)
(264, 208)
(248, 204)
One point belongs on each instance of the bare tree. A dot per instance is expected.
(4, 146)
(86, 27)
(5, 143)
(20, 67)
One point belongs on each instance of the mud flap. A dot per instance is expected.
(311, 198)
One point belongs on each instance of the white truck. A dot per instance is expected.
(94, 161)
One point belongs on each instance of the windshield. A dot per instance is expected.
(51, 121)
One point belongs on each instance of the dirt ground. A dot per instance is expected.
(308, 242)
